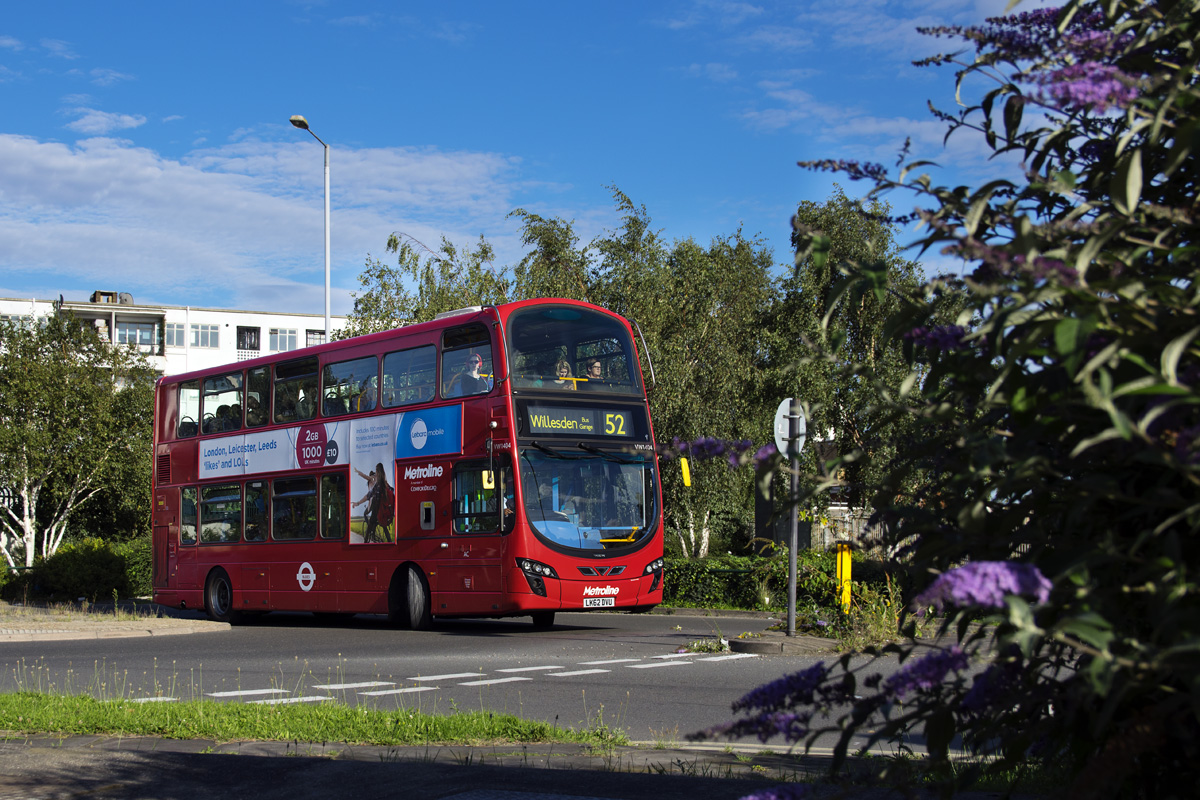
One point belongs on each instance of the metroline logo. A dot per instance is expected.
(593, 591)
(423, 472)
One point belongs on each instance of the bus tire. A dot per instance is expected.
(543, 620)
(420, 617)
(218, 597)
(397, 608)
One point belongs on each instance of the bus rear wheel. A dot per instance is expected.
(218, 597)
(543, 620)
(420, 617)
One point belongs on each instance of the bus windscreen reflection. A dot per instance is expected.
(589, 502)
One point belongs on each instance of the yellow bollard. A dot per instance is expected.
(843, 574)
(687, 473)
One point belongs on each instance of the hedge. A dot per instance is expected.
(761, 583)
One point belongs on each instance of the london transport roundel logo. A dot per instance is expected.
(310, 446)
(418, 434)
(306, 577)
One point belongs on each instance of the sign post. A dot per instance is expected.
(791, 429)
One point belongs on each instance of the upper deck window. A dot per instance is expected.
(222, 403)
(409, 376)
(296, 390)
(350, 386)
(466, 361)
(595, 347)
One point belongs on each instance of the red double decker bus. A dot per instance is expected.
(496, 461)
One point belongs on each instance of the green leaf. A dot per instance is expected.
(1174, 351)
(1126, 187)
(1013, 110)
(1089, 628)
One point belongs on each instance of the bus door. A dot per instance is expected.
(423, 508)
(181, 551)
(469, 573)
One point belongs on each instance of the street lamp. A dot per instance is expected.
(302, 123)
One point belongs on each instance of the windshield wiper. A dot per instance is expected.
(608, 455)
(548, 451)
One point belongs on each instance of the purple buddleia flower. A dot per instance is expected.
(990, 687)
(985, 583)
(784, 791)
(764, 455)
(790, 690)
(853, 169)
(927, 672)
(940, 337)
(1088, 85)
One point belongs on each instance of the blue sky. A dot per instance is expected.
(145, 146)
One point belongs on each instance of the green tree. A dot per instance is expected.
(847, 320)
(703, 324)
(68, 423)
(423, 284)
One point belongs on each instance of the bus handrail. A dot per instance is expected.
(503, 342)
(646, 350)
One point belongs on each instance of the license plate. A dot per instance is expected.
(599, 602)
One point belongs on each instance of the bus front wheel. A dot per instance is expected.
(218, 597)
(419, 615)
(543, 620)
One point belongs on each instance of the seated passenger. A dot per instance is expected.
(254, 412)
(595, 374)
(470, 381)
(563, 378)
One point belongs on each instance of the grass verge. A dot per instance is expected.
(29, 712)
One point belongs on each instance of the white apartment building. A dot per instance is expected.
(183, 338)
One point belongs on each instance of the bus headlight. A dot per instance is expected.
(655, 568)
(535, 574)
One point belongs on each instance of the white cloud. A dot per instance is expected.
(93, 122)
(59, 48)
(717, 73)
(239, 225)
(108, 77)
(11, 43)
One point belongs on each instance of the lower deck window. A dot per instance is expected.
(221, 513)
(294, 508)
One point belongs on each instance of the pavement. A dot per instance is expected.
(56, 766)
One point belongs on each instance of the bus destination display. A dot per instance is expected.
(586, 421)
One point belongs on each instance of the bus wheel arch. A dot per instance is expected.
(218, 597)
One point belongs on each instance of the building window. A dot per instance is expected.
(174, 334)
(283, 339)
(206, 336)
(314, 338)
(248, 338)
(139, 334)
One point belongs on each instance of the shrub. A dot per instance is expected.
(761, 582)
(87, 567)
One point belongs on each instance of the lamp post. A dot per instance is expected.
(302, 123)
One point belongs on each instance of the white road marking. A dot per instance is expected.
(527, 669)
(447, 677)
(363, 685)
(676, 655)
(659, 664)
(578, 672)
(494, 680)
(400, 691)
(728, 658)
(609, 661)
(285, 701)
(247, 692)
